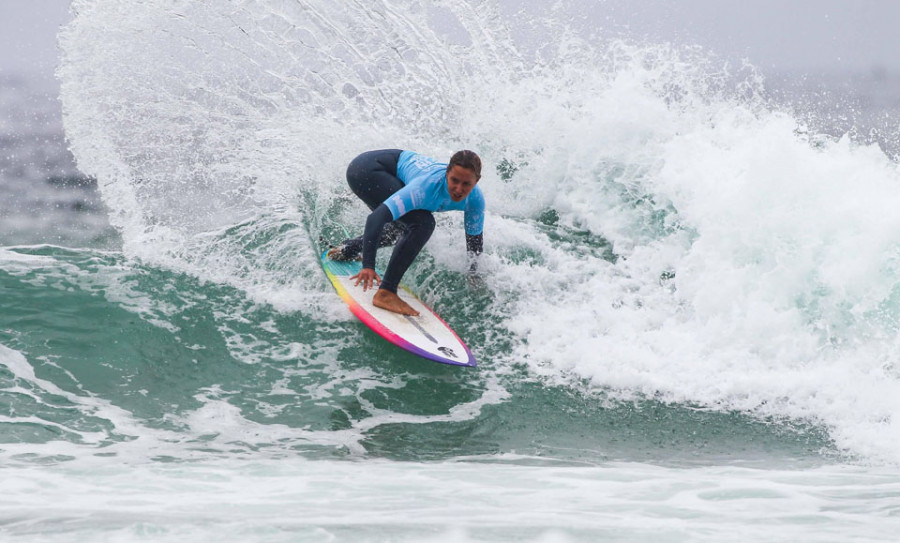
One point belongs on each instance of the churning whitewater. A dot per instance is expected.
(678, 272)
(655, 229)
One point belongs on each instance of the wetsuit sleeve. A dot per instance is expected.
(474, 215)
(374, 224)
(474, 247)
(474, 244)
(474, 225)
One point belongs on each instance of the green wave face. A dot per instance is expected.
(109, 357)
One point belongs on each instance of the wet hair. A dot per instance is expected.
(466, 159)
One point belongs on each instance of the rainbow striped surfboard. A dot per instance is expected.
(426, 335)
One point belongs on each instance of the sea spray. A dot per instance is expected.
(656, 228)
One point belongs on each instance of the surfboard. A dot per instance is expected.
(427, 335)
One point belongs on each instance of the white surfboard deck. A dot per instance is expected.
(425, 335)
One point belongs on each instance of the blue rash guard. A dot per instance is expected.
(426, 188)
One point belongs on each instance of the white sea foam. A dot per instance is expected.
(756, 263)
(769, 284)
(303, 500)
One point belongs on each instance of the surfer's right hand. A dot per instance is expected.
(367, 277)
(475, 281)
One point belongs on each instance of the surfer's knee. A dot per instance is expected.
(421, 221)
(429, 222)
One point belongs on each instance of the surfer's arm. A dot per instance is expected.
(474, 226)
(474, 247)
(374, 224)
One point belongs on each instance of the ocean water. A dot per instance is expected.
(686, 327)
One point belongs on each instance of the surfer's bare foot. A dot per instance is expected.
(386, 299)
(337, 253)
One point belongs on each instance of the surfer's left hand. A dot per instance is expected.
(367, 277)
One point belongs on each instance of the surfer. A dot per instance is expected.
(403, 188)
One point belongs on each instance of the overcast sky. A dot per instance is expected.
(776, 35)
(28, 33)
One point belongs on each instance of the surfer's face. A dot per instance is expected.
(460, 182)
